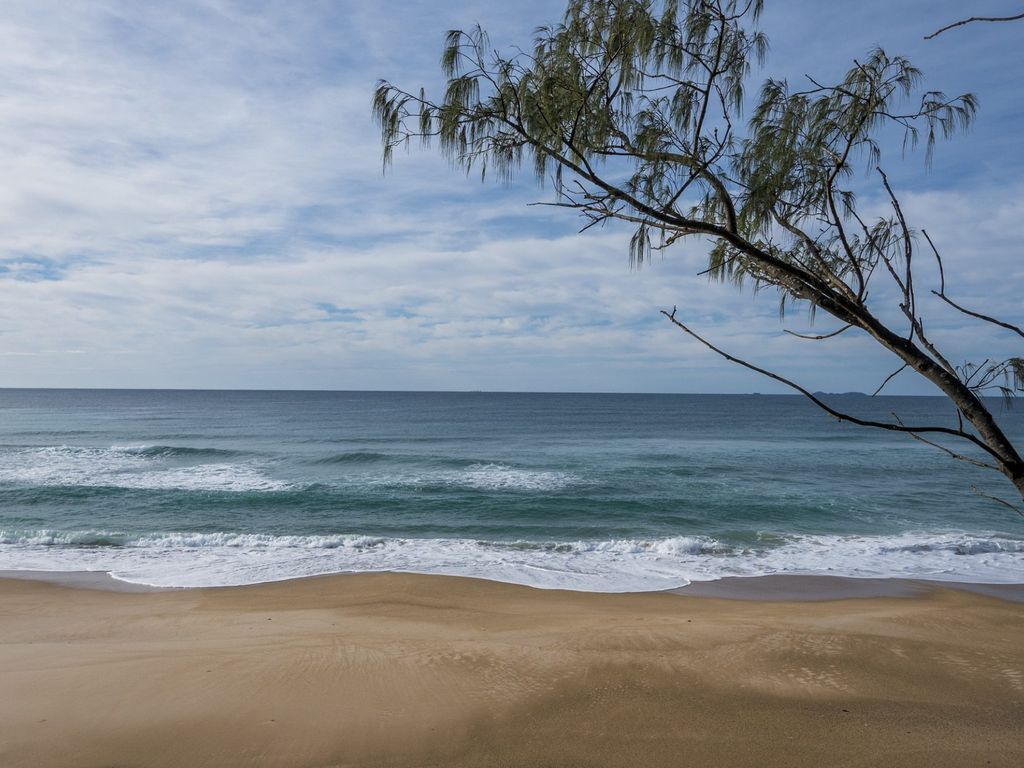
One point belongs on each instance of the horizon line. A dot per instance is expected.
(445, 391)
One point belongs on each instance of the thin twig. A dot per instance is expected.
(962, 22)
(997, 500)
(979, 316)
(941, 293)
(818, 338)
(947, 451)
(889, 378)
(907, 285)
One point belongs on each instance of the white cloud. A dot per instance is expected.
(191, 187)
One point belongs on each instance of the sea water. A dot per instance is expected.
(604, 492)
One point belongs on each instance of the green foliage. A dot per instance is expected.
(640, 103)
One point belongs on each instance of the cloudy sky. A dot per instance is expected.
(192, 196)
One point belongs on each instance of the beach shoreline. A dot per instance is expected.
(389, 669)
(770, 587)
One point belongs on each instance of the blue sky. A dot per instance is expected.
(193, 197)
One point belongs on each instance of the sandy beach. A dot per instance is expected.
(405, 670)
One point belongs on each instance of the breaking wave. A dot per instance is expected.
(187, 559)
(487, 477)
(135, 467)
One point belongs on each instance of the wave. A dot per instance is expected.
(237, 478)
(353, 457)
(673, 545)
(48, 538)
(959, 546)
(188, 559)
(170, 467)
(450, 472)
(490, 477)
(178, 451)
(135, 467)
(180, 540)
(479, 476)
(376, 457)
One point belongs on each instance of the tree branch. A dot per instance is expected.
(971, 20)
(823, 405)
(997, 500)
(941, 293)
(947, 451)
(818, 338)
(889, 378)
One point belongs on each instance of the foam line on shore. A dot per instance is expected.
(195, 559)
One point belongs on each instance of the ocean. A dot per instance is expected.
(598, 492)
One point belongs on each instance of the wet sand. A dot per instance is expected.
(406, 670)
(799, 588)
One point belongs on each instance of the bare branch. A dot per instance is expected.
(892, 376)
(907, 284)
(971, 20)
(818, 338)
(941, 293)
(947, 451)
(820, 403)
(997, 500)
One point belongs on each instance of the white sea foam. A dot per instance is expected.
(203, 477)
(483, 477)
(64, 465)
(142, 467)
(620, 565)
(135, 467)
(498, 477)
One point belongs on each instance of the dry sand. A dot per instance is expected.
(402, 670)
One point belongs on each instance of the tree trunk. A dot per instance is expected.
(1008, 460)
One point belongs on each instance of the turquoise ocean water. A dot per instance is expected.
(582, 491)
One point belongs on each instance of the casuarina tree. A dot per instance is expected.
(633, 111)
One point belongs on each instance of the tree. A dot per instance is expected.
(631, 110)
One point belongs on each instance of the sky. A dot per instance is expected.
(193, 197)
